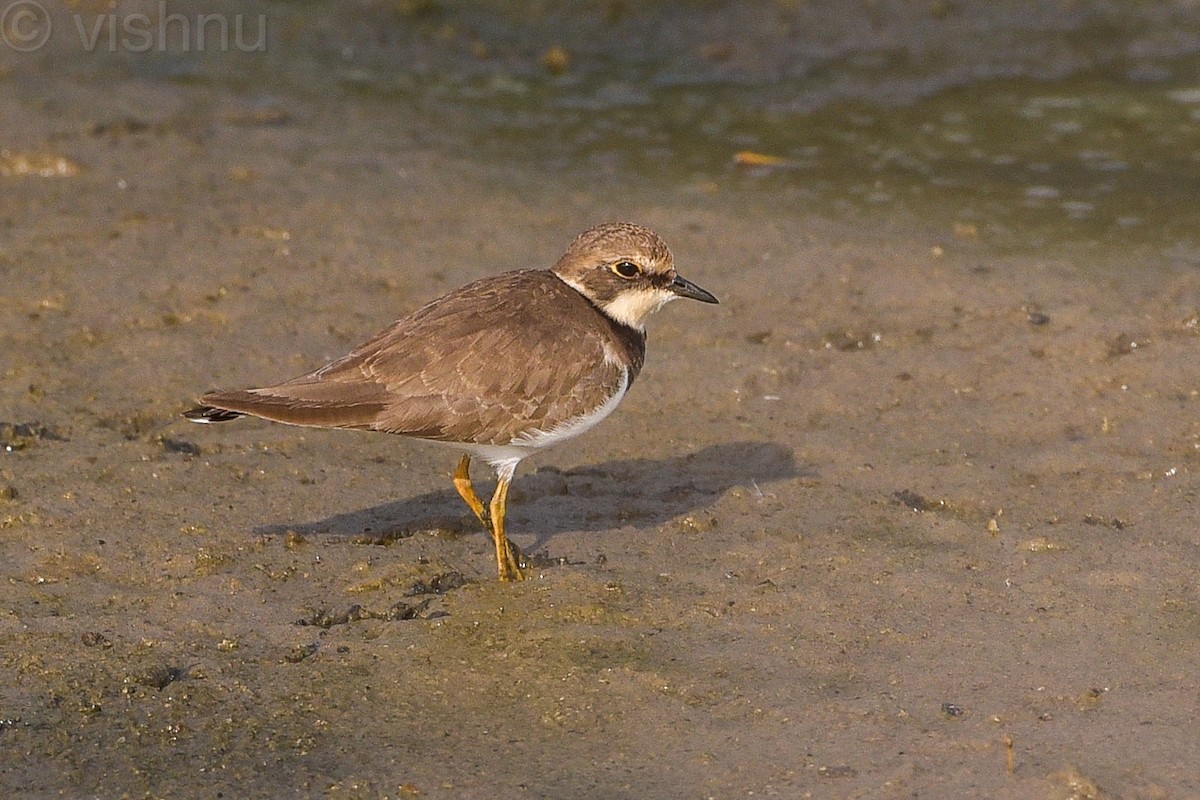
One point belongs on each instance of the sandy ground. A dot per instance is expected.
(904, 516)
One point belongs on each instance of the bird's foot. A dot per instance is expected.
(510, 560)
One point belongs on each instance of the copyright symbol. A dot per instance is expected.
(24, 25)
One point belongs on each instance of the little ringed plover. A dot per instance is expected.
(500, 368)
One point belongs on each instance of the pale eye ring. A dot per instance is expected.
(627, 269)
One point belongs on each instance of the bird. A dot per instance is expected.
(501, 368)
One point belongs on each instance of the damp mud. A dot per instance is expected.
(912, 512)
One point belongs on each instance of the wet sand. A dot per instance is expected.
(905, 515)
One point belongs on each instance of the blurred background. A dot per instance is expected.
(1027, 123)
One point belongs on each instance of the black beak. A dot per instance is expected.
(685, 288)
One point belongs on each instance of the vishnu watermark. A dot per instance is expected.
(26, 25)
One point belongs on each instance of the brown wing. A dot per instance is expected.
(495, 359)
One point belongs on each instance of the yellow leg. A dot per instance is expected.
(462, 482)
(508, 557)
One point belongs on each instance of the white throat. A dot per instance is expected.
(629, 308)
(633, 307)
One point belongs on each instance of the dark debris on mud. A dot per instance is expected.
(397, 612)
(20, 435)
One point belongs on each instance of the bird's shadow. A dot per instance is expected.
(636, 491)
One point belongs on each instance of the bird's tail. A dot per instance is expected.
(208, 414)
(322, 405)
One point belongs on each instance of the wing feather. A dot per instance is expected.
(494, 360)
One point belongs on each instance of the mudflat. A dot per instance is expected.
(907, 514)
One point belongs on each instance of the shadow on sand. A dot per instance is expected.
(597, 497)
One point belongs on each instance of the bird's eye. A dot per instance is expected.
(627, 269)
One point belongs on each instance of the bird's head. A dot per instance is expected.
(626, 271)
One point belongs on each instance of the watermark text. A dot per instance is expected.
(27, 25)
